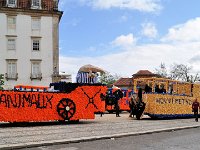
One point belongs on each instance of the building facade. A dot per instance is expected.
(29, 39)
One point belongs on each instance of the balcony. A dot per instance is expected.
(36, 76)
(11, 76)
(48, 5)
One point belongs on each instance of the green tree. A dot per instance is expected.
(109, 79)
(1, 81)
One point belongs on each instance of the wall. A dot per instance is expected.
(24, 53)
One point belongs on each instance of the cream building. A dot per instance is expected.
(29, 41)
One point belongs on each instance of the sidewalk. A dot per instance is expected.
(107, 126)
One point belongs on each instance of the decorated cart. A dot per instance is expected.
(165, 98)
(65, 101)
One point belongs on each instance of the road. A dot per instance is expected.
(106, 127)
(187, 139)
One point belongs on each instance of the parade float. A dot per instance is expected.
(64, 102)
(165, 98)
(59, 101)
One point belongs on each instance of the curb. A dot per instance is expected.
(92, 138)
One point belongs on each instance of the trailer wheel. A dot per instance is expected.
(66, 108)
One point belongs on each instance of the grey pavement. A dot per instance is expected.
(108, 126)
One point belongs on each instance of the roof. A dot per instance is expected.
(89, 67)
(129, 81)
(145, 73)
(124, 82)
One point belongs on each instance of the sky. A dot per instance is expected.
(124, 36)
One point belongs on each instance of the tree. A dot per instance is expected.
(1, 81)
(162, 71)
(182, 72)
(109, 79)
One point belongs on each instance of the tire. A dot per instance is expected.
(66, 108)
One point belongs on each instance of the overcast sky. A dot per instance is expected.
(124, 36)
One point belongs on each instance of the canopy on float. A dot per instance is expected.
(89, 67)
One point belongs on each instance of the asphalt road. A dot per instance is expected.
(174, 140)
(48, 133)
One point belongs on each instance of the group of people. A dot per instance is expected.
(148, 89)
(135, 104)
(160, 90)
(87, 77)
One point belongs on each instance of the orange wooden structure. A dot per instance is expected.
(73, 102)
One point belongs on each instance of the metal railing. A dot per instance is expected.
(36, 76)
(27, 4)
(11, 76)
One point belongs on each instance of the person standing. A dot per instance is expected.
(117, 108)
(140, 95)
(195, 109)
(132, 106)
(118, 95)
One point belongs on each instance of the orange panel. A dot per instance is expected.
(124, 104)
(21, 106)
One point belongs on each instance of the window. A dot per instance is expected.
(11, 69)
(36, 3)
(35, 23)
(36, 44)
(11, 44)
(11, 22)
(11, 3)
(36, 69)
